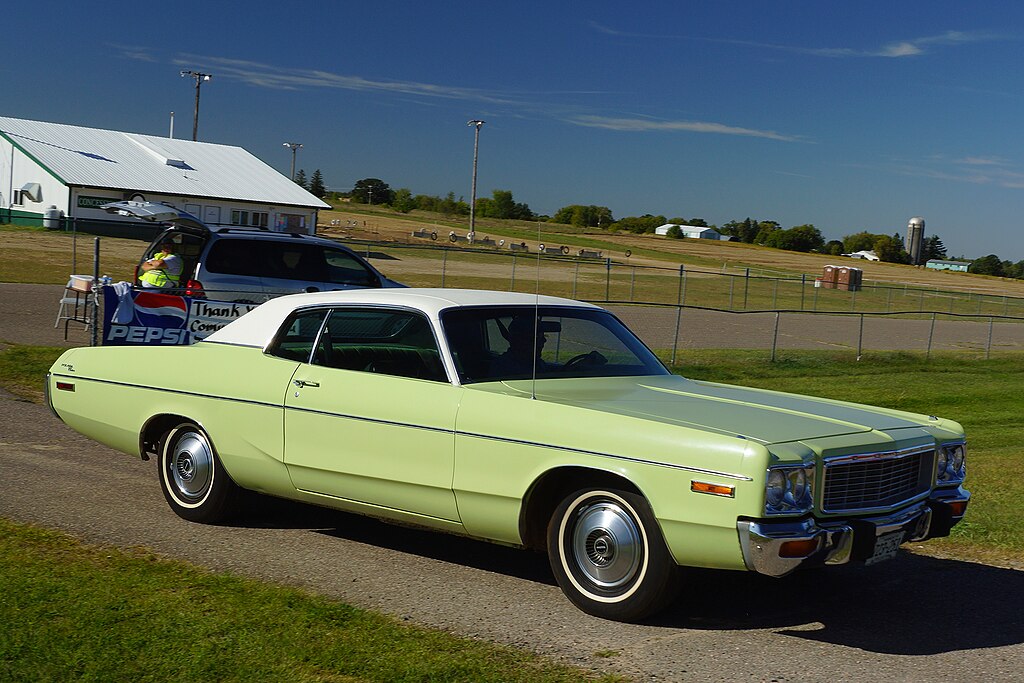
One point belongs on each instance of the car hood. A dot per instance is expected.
(756, 414)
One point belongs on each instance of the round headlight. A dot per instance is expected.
(957, 459)
(943, 463)
(776, 488)
(798, 481)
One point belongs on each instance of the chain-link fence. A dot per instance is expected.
(607, 279)
(688, 307)
(674, 309)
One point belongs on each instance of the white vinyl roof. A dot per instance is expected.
(93, 157)
(258, 326)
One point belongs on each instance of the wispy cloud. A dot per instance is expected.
(643, 125)
(281, 78)
(549, 104)
(901, 48)
(976, 170)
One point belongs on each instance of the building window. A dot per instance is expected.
(239, 218)
(16, 198)
(259, 219)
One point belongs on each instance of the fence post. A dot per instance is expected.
(632, 282)
(853, 300)
(95, 293)
(512, 283)
(608, 279)
(732, 286)
(575, 278)
(888, 300)
(444, 266)
(931, 333)
(675, 339)
(815, 306)
(746, 287)
(682, 285)
(775, 293)
(988, 347)
(74, 245)
(775, 335)
(860, 338)
(803, 289)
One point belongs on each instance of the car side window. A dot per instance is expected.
(298, 335)
(383, 341)
(345, 269)
(294, 261)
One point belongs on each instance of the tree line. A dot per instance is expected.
(767, 233)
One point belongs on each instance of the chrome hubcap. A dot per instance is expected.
(191, 466)
(607, 544)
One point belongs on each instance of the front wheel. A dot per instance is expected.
(608, 556)
(192, 478)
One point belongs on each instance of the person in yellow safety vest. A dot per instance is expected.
(163, 270)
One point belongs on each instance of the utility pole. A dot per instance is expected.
(294, 147)
(200, 77)
(477, 124)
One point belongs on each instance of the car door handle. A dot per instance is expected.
(304, 383)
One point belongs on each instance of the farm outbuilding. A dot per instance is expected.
(940, 264)
(52, 170)
(690, 231)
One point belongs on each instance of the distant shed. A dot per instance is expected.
(939, 264)
(690, 231)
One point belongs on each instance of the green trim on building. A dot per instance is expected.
(29, 155)
(18, 217)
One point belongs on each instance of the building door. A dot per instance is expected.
(211, 215)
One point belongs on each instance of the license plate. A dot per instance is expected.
(886, 547)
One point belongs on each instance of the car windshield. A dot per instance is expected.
(512, 342)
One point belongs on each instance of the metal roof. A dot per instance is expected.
(93, 157)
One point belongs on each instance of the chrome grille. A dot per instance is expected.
(881, 480)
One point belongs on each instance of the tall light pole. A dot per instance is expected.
(294, 147)
(476, 123)
(200, 77)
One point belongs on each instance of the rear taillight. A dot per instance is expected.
(194, 288)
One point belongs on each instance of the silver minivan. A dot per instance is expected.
(251, 265)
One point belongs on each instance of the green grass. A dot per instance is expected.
(23, 368)
(71, 611)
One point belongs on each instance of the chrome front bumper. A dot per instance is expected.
(777, 547)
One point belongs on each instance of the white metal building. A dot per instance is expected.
(690, 231)
(50, 168)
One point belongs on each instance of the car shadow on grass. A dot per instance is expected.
(913, 605)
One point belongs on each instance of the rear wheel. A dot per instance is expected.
(608, 556)
(192, 478)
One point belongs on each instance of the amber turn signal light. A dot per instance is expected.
(958, 508)
(801, 548)
(713, 489)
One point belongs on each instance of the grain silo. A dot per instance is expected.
(914, 243)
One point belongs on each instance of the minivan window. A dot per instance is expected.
(234, 257)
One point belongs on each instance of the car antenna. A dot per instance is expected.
(536, 319)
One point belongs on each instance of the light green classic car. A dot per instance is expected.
(534, 421)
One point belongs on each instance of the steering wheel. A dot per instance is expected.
(590, 358)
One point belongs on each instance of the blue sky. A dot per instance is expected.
(850, 116)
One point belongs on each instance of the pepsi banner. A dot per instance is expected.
(145, 317)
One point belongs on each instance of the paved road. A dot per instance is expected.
(914, 619)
